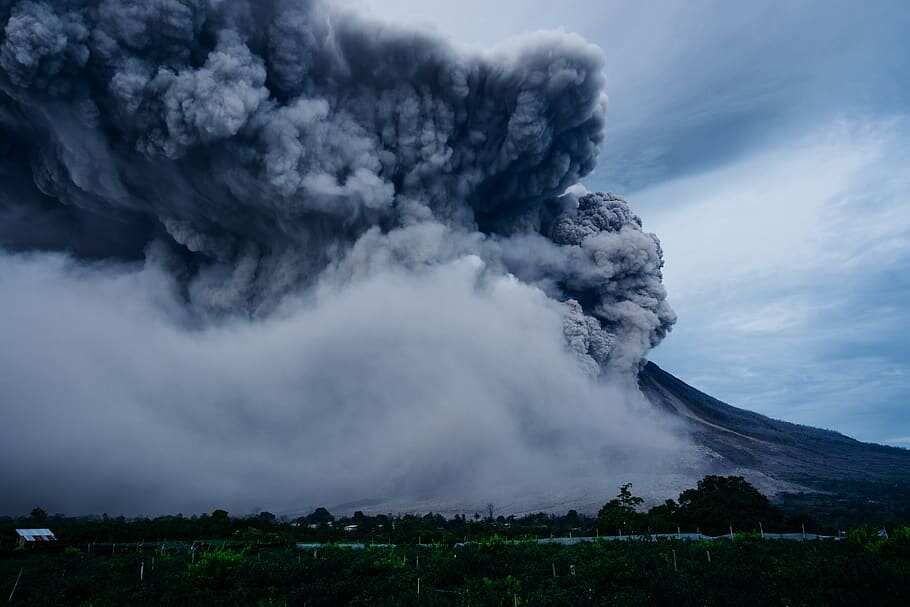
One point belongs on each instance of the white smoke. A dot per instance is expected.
(309, 259)
(450, 382)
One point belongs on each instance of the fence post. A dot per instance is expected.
(708, 552)
(674, 561)
(554, 568)
(16, 585)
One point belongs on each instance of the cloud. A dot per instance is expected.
(763, 140)
(694, 86)
(307, 257)
(810, 322)
(452, 382)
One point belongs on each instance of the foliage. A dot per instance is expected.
(218, 559)
(748, 572)
(719, 502)
(621, 512)
(38, 516)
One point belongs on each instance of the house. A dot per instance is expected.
(27, 536)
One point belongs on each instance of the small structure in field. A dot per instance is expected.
(28, 536)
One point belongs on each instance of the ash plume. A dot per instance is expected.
(248, 163)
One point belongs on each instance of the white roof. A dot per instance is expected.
(34, 535)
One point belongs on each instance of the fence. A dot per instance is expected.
(571, 541)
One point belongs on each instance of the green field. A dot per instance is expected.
(482, 559)
(862, 570)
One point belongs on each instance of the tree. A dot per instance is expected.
(320, 516)
(621, 512)
(266, 518)
(38, 515)
(665, 517)
(720, 501)
(220, 516)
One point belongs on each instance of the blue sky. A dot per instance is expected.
(768, 145)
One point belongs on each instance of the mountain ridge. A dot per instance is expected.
(787, 452)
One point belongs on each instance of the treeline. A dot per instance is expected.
(715, 505)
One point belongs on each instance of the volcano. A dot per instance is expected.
(778, 455)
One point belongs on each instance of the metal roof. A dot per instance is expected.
(36, 535)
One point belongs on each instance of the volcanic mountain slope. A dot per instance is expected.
(758, 446)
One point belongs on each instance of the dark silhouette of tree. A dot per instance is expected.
(220, 516)
(665, 517)
(491, 511)
(38, 515)
(320, 516)
(720, 501)
(621, 513)
(266, 518)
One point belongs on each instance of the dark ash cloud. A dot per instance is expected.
(266, 161)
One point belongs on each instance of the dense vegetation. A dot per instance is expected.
(748, 571)
(216, 559)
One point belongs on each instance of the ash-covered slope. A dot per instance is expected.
(784, 452)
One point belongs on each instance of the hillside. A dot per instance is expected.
(786, 452)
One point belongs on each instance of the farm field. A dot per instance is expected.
(862, 569)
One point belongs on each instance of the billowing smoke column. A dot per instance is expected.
(262, 140)
(348, 226)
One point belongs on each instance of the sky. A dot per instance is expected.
(285, 254)
(766, 143)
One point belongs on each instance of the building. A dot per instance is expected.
(28, 536)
